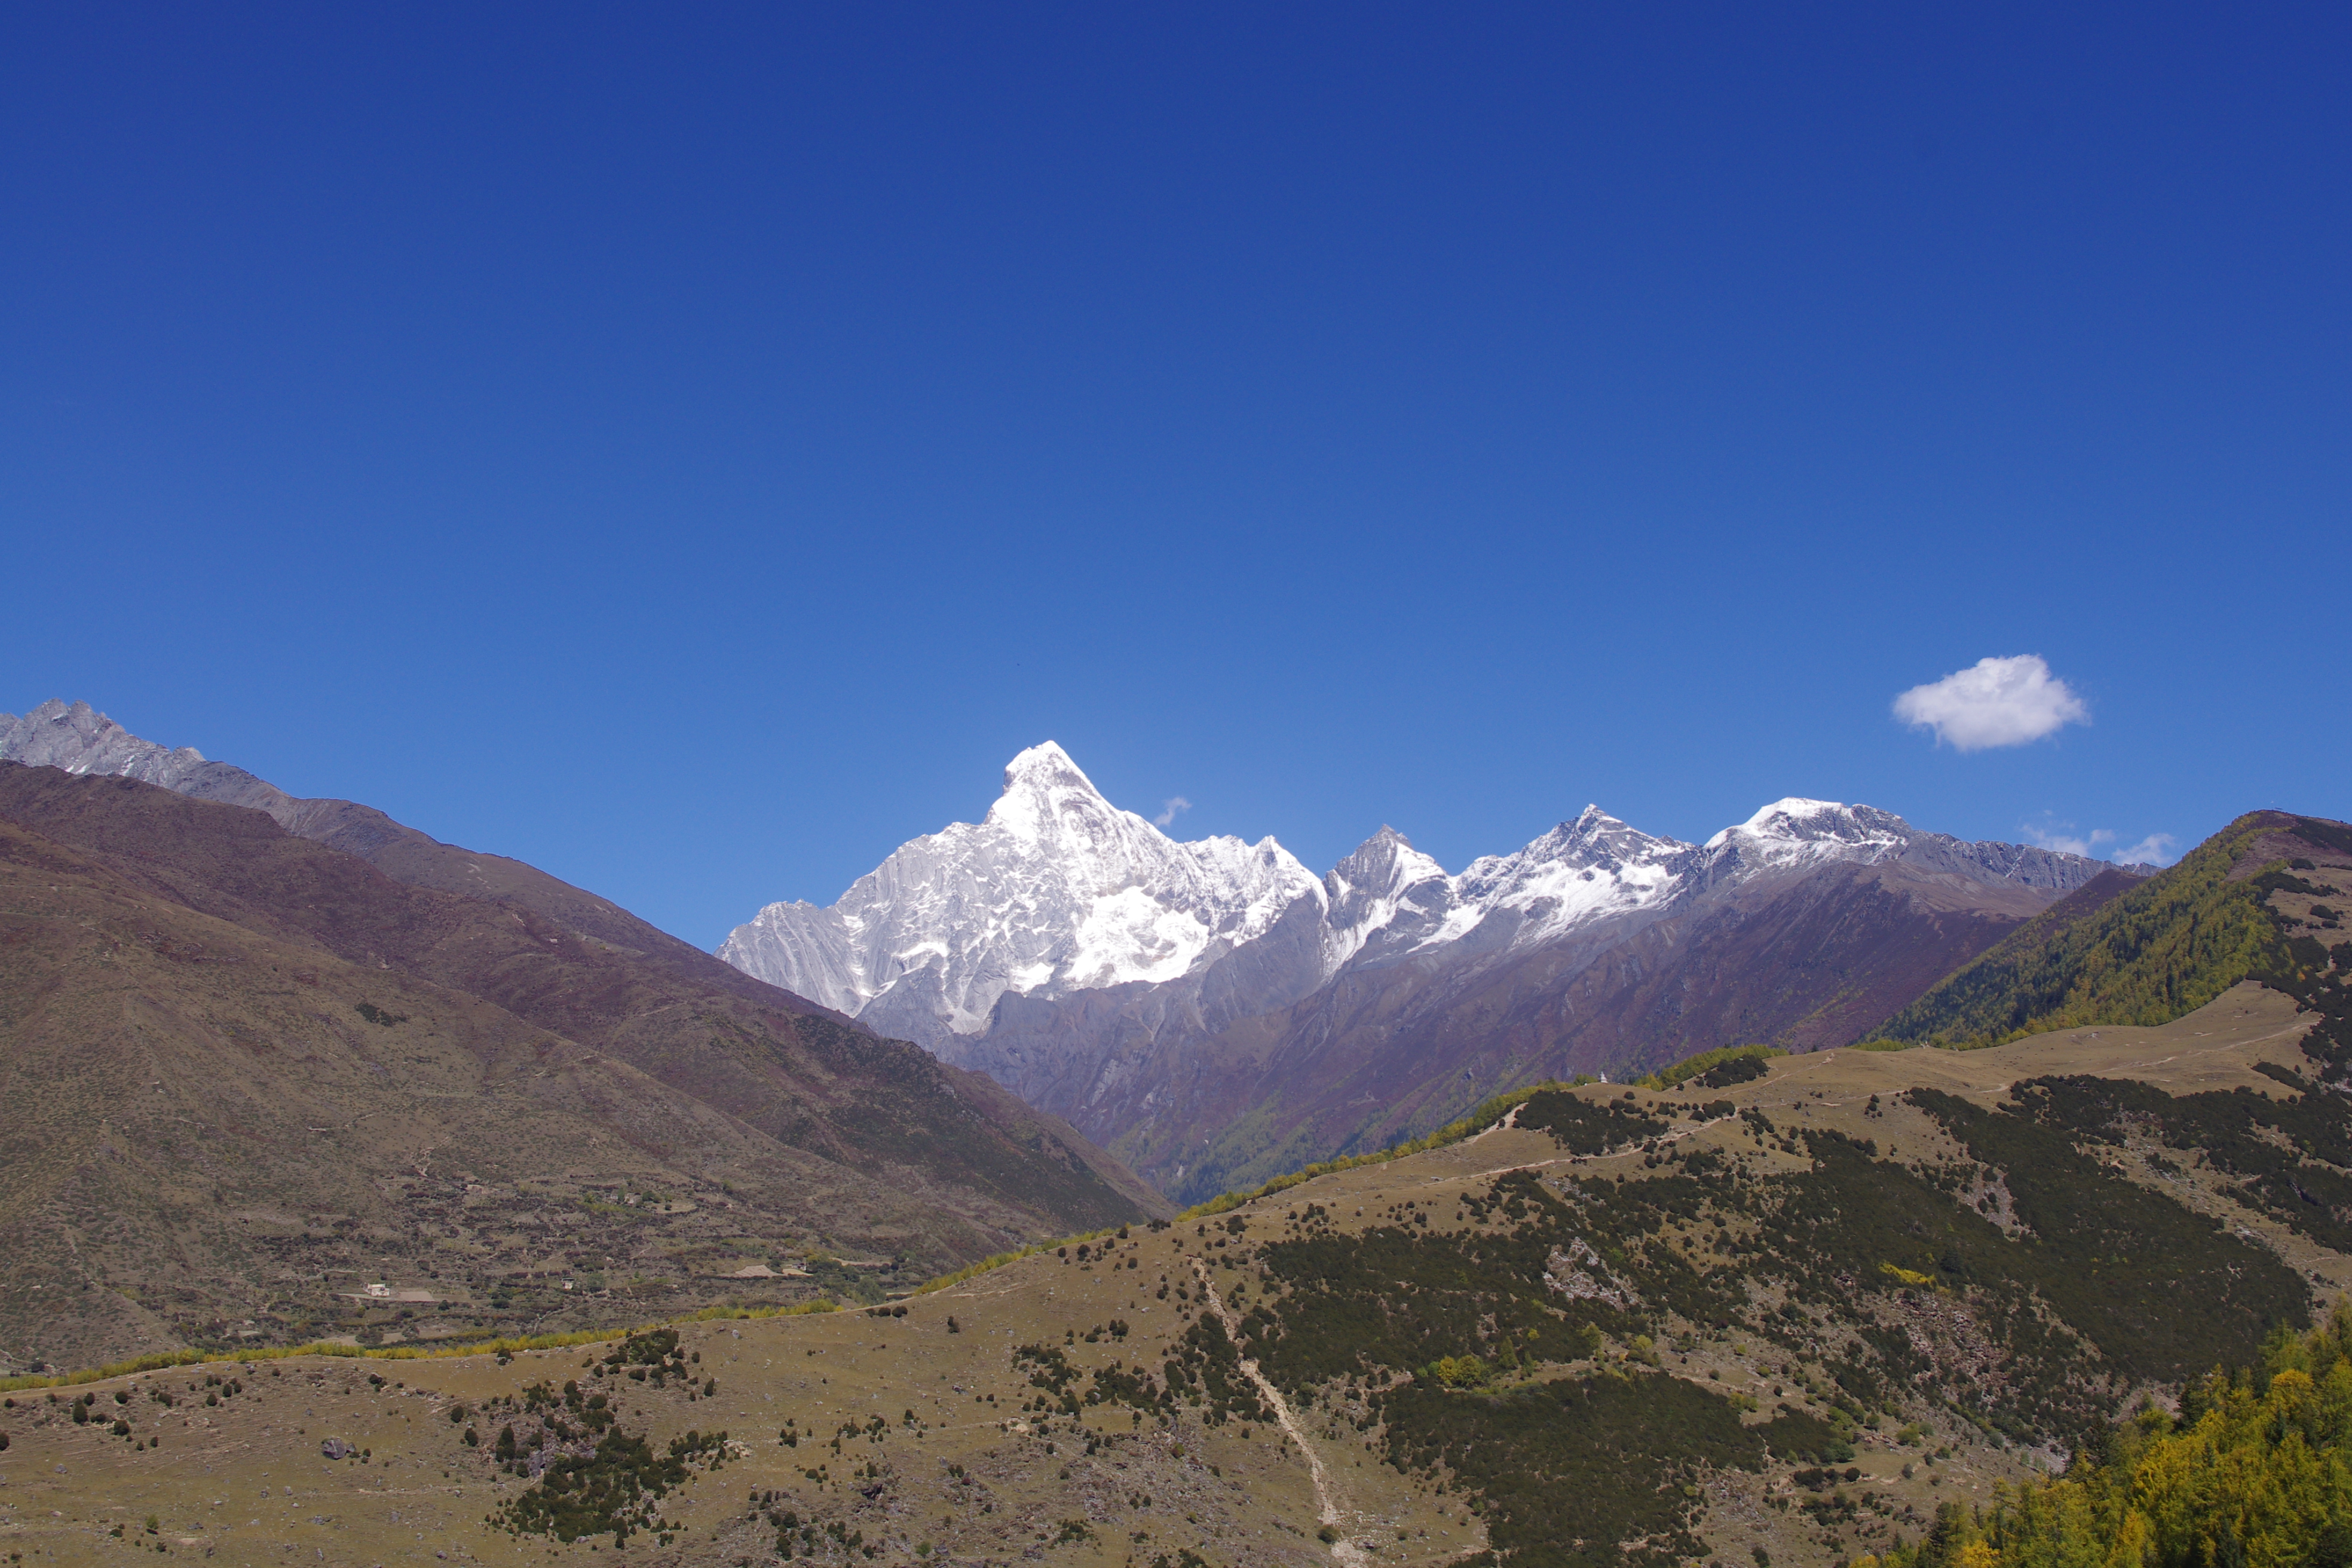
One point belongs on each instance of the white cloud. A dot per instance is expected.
(1994, 703)
(2155, 849)
(2055, 836)
(1171, 808)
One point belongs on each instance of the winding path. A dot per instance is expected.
(1327, 1493)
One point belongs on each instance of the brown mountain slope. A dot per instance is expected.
(1806, 960)
(404, 855)
(1788, 1325)
(154, 937)
(796, 1072)
(81, 742)
(207, 1136)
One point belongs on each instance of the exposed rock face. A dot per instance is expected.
(78, 739)
(1580, 1274)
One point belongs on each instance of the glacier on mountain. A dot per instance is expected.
(1056, 892)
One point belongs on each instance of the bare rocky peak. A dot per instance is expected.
(76, 739)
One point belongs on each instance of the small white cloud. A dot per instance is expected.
(1994, 703)
(2155, 849)
(1171, 808)
(2058, 836)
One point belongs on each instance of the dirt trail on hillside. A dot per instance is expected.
(1326, 1496)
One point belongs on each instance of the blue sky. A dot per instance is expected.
(693, 449)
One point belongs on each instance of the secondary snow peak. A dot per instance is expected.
(1797, 829)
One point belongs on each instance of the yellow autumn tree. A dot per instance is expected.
(2254, 1472)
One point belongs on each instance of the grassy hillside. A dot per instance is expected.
(2163, 949)
(1796, 1311)
(1817, 1313)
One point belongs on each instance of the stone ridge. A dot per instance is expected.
(78, 739)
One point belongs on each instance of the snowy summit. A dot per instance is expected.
(1055, 890)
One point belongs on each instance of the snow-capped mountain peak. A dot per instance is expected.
(1586, 869)
(1040, 786)
(1055, 891)
(1796, 831)
(1799, 834)
(1384, 866)
(1386, 895)
(1788, 812)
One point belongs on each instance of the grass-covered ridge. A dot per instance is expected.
(1717, 1069)
(1477, 1122)
(507, 1345)
(1540, 1345)
(2160, 951)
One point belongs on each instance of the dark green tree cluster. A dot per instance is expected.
(1717, 1069)
(616, 1490)
(1568, 1471)
(1585, 1126)
(1205, 1369)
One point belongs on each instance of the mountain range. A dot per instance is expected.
(2074, 1299)
(1215, 1013)
(2056, 1292)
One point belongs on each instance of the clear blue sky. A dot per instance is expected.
(692, 450)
